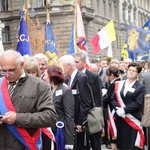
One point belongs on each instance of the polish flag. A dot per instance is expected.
(104, 37)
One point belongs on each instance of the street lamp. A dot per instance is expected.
(31, 11)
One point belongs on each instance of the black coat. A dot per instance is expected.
(82, 96)
(95, 84)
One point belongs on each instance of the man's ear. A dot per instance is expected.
(22, 64)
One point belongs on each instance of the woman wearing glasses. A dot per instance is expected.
(127, 101)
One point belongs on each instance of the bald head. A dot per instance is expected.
(93, 68)
(12, 64)
(11, 55)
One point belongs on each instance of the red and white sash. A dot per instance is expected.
(131, 120)
(111, 124)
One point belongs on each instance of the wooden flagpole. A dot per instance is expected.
(26, 13)
(79, 2)
(75, 28)
(47, 11)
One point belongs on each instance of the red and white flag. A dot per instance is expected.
(104, 37)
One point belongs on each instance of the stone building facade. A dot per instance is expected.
(96, 14)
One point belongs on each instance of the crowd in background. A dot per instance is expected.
(118, 87)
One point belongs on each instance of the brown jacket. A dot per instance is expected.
(34, 106)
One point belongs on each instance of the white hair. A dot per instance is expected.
(12, 53)
(41, 56)
(67, 59)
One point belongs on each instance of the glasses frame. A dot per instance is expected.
(130, 70)
(10, 71)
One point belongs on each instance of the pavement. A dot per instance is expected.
(104, 147)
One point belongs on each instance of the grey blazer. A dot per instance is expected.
(145, 78)
(64, 105)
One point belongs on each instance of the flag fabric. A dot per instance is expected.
(146, 27)
(59, 136)
(78, 40)
(81, 40)
(138, 39)
(23, 44)
(131, 54)
(50, 45)
(109, 52)
(71, 45)
(104, 37)
(126, 54)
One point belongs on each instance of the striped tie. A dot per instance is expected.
(11, 88)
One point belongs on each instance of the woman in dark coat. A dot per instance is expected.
(128, 101)
(113, 76)
(63, 102)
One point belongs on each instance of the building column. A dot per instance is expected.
(126, 14)
(9, 5)
(1, 44)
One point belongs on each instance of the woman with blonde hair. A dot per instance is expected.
(32, 67)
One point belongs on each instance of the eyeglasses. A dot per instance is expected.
(10, 71)
(130, 70)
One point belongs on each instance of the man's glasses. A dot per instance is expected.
(10, 71)
(130, 70)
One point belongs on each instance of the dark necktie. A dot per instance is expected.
(69, 81)
(11, 88)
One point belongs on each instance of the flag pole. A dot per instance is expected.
(75, 28)
(26, 12)
(47, 11)
(79, 2)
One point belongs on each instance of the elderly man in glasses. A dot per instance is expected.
(25, 105)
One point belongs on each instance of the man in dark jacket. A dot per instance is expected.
(83, 99)
(95, 84)
(26, 105)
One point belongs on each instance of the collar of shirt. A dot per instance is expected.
(99, 70)
(22, 76)
(128, 86)
(73, 75)
(84, 70)
(114, 80)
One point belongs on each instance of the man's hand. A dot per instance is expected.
(79, 128)
(9, 118)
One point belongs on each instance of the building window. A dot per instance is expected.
(98, 7)
(110, 9)
(39, 3)
(6, 34)
(104, 7)
(3, 5)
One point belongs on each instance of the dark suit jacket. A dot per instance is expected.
(133, 100)
(102, 75)
(107, 97)
(95, 84)
(64, 105)
(83, 100)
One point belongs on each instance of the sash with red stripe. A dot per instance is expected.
(131, 120)
(111, 124)
(51, 136)
(31, 143)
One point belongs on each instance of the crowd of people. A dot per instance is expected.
(35, 97)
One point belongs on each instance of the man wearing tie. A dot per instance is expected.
(83, 100)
